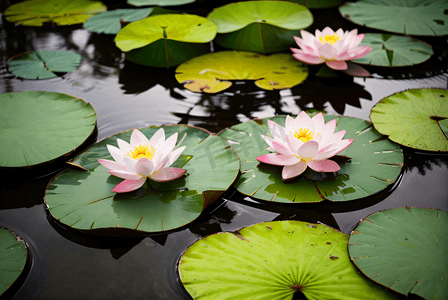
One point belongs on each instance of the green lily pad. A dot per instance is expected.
(109, 22)
(38, 127)
(414, 118)
(166, 40)
(13, 253)
(404, 249)
(401, 16)
(60, 12)
(374, 163)
(273, 260)
(260, 26)
(394, 51)
(208, 73)
(312, 4)
(42, 64)
(159, 2)
(82, 199)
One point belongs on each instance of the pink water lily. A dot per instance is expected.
(333, 48)
(304, 142)
(143, 159)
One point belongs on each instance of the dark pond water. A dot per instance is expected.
(71, 265)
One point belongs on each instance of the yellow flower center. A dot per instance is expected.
(304, 134)
(142, 151)
(329, 39)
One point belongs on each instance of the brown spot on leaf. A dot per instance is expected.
(328, 243)
(269, 227)
(333, 257)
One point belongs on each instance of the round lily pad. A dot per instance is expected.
(273, 260)
(166, 40)
(81, 196)
(159, 2)
(369, 165)
(404, 249)
(394, 51)
(38, 127)
(260, 26)
(43, 64)
(109, 22)
(60, 12)
(401, 16)
(208, 73)
(414, 118)
(13, 256)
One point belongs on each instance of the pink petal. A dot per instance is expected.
(278, 159)
(174, 155)
(294, 144)
(327, 31)
(303, 121)
(308, 150)
(308, 58)
(128, 185)
(138, 138)
(334, 149)
(130, 163)
(157, 138)
(336, 137)
(337, 64)
(161, 163)
(306, 47)
(289, 123)
(125, 174)
(170, 143)
(327, 51)
(124, 146)
(289, 172)
(116, 153)
(319, 123)
(167, 174)
(324, 166)
(280, 148)
(355, 53)
(112, 165)
(277, 131)
(144, 167)
(357, 40)
(340, 32)
(307, 37)
(268, 140)
(328, 132)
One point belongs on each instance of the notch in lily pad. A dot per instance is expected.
(166, 40)
(260, 26)
(414, 118)
(210, 73)
(274, 260)
(81, 197)
(60, 12)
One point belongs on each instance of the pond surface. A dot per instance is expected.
(71, 265)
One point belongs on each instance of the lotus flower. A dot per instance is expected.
(142, 159)
(333, 48)
(304, 142)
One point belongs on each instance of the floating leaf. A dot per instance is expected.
(404, 249)
(109, 22)
(13, 253)
(60, 12)
(318, 3)
(209, 72)
(166, 40)
(260, 26)
(394, 51)
(412, 118)
(42, 64)
(38, 127)
(83, 200)
(371, 164)
(272, 260)
(159, 2)
(401, 16)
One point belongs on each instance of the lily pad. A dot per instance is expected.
(60, 12)
(43, 64)
(401, 16)
(405, 250)
(82, 199)
(312, 4)
(273, 260)
(394, 51)
(13, 253)
(109, 22)
(372, 163)
(414, 118)
(260, 26)
(166, 40)
(159, 2)
(38, 127)
(208, 73)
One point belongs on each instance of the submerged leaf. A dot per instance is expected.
(60, 12)
(401, 16)
(404, 249)
(208, 73)
(273, 260)
(411, 118)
